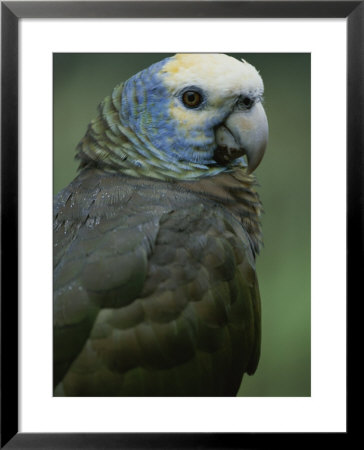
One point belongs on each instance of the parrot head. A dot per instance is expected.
(190, 115)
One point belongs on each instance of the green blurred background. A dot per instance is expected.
(81, 81)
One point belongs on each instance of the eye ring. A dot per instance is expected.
(245, 102)
(192, 99)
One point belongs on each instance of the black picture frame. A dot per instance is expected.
(11, 12)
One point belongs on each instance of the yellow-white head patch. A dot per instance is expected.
(221, 76)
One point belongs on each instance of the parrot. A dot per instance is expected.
(155, 291)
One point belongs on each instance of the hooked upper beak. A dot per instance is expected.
(244, 132)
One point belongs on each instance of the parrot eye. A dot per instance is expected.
(245, 102)
(192, 99)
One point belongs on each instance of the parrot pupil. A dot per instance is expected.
(191, 99)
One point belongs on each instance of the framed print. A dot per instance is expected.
(59, 61)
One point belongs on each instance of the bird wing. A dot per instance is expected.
(155, 292)
(100, 260)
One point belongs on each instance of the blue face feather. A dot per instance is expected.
(146, 105)
(185, 117)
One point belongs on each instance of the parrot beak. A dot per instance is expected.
(243, 133)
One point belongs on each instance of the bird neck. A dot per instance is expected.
(234, 190)
(114, 147)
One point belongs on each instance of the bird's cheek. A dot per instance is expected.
(180, 115)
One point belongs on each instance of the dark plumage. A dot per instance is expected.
(155, 290)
